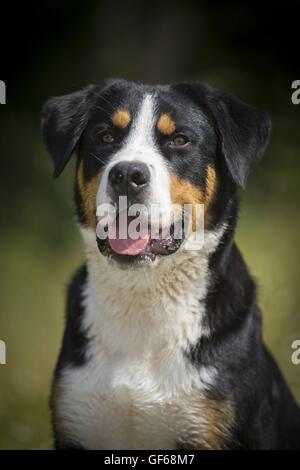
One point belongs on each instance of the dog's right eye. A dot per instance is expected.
(106, 137)
(180, 140)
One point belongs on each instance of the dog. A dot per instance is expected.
(162, 347)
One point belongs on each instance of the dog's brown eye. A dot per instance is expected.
(180, 140)
(106, 137)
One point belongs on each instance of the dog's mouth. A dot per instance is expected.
(141, 247)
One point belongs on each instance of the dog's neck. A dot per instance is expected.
(143, 308)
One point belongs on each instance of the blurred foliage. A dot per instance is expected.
(61, 46)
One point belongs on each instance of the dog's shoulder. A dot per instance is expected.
(75, 340)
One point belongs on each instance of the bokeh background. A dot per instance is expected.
(53, 47)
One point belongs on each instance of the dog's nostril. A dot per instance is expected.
(118, 178)
(138, 178)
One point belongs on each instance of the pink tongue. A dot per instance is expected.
(129, 246)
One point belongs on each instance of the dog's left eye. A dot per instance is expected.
(106, 137)
(179, 140)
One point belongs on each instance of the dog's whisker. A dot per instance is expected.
(97, 158)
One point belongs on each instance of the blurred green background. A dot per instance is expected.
(55, 48)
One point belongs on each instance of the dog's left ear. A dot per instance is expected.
(63, 121)
(243, 132)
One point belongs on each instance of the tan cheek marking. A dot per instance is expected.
(210, 192)
(184, 192)
(211, 184)
(88, 191)
(165, 124)
(121, 118)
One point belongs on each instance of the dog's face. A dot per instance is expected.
(160, 147)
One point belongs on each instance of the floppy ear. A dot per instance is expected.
(243, 132)
(63, 121)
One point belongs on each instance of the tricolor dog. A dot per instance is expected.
(162, 346)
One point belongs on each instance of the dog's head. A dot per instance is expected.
(158, 149)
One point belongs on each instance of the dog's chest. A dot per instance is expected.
(138, 388)
(129, 404)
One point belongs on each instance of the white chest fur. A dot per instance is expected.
(137, 389)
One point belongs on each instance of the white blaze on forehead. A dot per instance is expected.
(142, 131)
(140, 146)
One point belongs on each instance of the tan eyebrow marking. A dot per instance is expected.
(166, 124)
(121, 118)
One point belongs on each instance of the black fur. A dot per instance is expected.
(74, 340)
(63, 120)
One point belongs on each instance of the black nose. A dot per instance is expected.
(129, 178)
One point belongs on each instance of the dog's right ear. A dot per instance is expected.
(64, 118)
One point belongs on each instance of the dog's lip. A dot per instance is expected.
(140, 260)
